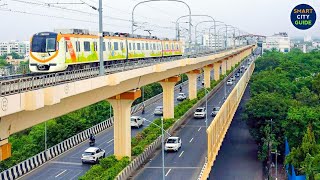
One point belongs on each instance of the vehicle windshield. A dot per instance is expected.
(44, 42)
(172, 141)
(199, 110)
(88, 153)
(133, 119)
(181, 94)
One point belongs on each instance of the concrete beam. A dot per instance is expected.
(168, 96)
(121, 105)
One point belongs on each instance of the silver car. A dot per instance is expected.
(158, 111)
(215, 111)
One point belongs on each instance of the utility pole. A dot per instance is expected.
(101, 69)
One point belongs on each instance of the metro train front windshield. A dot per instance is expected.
(44, 42)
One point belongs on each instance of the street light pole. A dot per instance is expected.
(132, 14)
(162, 142)
(276, 153)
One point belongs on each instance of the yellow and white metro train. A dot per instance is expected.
(76, 49)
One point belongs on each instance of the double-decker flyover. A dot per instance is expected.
(30, 107)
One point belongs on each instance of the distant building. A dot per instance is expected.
(20, 47)
(307, 39)
(304, 48)
(280, 42)
(209, 41)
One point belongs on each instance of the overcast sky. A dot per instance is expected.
(264, 17)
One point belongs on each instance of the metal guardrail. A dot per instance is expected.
(23, 84)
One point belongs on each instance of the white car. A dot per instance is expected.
(233, 78)
(136, 121)
(173, 144)
(200, 112)
(229, 82)
(93, 154)
(202, 82)
(158, 111)
(181, 97)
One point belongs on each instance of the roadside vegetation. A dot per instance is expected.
(285, 91)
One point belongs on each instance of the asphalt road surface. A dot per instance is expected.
(237, 158)
(187, 162)
(69, 166)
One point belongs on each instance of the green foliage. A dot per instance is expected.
(306, 157)
(285, 88)
(108, 169)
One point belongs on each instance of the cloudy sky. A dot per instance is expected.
(22, 18)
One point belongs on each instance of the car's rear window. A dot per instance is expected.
(171, 141)
(199, 110)
(88, 153)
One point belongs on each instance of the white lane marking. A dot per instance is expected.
(199, 129)
(168, 172)
(182, 152)
(154, 167)
(66, 163)
(110, 141)
(60, 173)
(191, 140)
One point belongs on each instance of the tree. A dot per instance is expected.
(306, 157)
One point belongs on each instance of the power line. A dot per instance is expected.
(49, 5)
(58, 17)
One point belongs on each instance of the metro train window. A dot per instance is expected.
(95, 46)
(109, 46)
(154, 46)
(134, 46)
(147, 46)
(66, 45)
(104, 46)
(138, 46)
(151, 46)
(121, 46)
(86, 45)
(116, 46)
(167, 47)
(172, 47)
(130, 46)
(142, 46)
(77, 46)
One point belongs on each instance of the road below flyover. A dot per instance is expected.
(237, 158)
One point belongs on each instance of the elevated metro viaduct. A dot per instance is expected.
(26, 109)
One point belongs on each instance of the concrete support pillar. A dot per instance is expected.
(206, 71)
(168, 96)
(5, 149)
(224, 67)
(192, 77)
(216, 70)
(121, 105)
